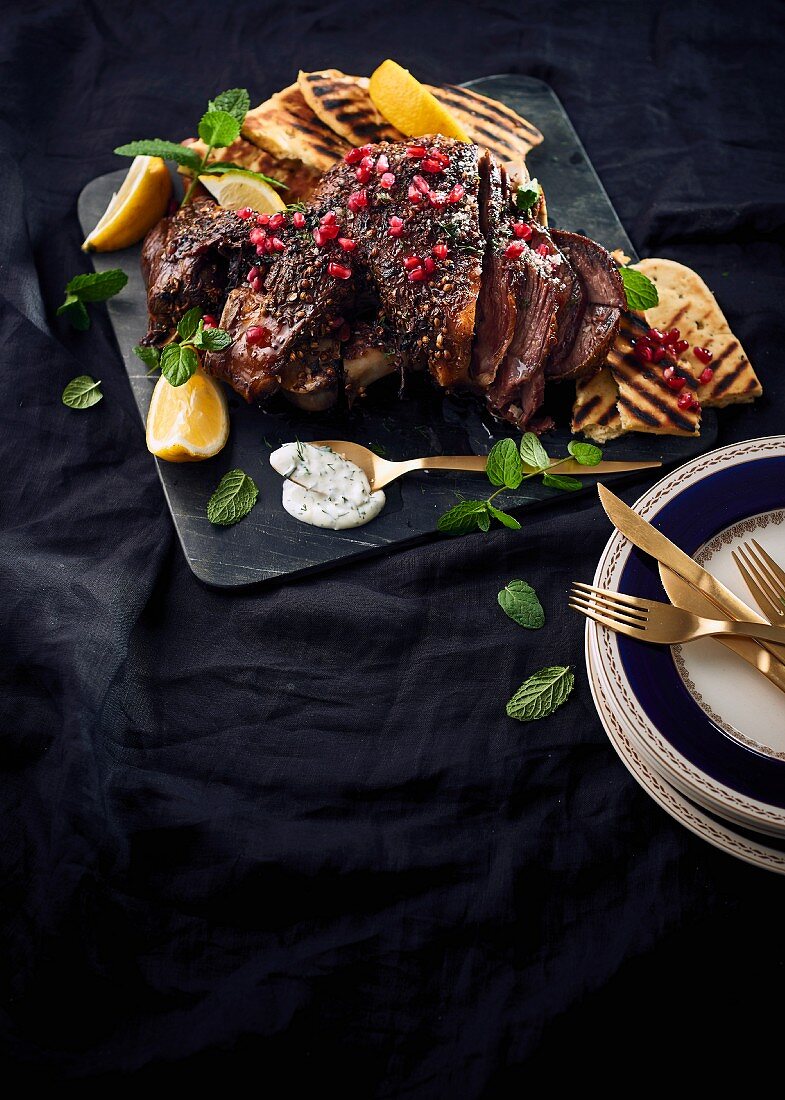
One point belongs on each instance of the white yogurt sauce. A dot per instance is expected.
(327, 490)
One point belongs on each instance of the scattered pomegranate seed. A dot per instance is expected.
(253, 273)
(267, 246)
(456, 194)
(440, 251)
(320, 238)
(339, 271)
(417, 275)
(671, 336)
(353, 156)
(410, 262)
(430, 164)
(358, 200)
(263, 219)
(439, 156)
(414, 193)
(703, 355)
(429, 265)
(657, 336)
(329, 232)
(673, 380)
(643, 352)
(347, 244)
(298, 219)
(257, 236)
(329, 218)
(256, 285)
(522, 230)
(417, 151)
(277, 244)
(437, 199)
(421, 184)
(245, 213)
(688, 400)
(209, 320)
(276, 221)
(658, 353)
(541, 250)
(396, 227)
(254, 334)
(514, 250)
(387, 180)
(706, 375)
(366, 149)
(382, 165)
(680, 346)
(363, 174)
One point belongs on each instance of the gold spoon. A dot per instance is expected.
(380, 472)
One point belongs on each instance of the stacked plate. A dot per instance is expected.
(702, 731)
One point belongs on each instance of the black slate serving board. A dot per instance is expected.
(269, 544)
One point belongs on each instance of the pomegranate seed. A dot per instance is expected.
(267, 246)
(353, 156)
(277, 244)
(253, 273)
(439, 156)
(256, 285)
(644, 353)
(440, 251)
(358, 200)
(366, 149)
(329, 232)
(363, 174)
(675, 382)
(347, 244)
(431, 165)
(263, 219)
(245, 213)
(417, 275)
(276, 221)
(522, 230)
(382, 165)
(703, 355)
(680, 347)
(410, 262)
(513, 250)
(437, 199)
(387, 180)
(688, 401)
(339, 271)
(329, 218)
(421, 184)
(429, 265)
(414, 193)
(298, 219)
(658, 353)
(254, 335)
(671, 336)
(456, 194)
(256, 236)
(344, 333)
(541, 250)
(656, 336)
(209, 320)
(319, 237)
(396, 227)
(416, 151)
(260, 249)
(706, 375)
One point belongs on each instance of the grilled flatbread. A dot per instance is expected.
(286, 126)
(645, 402)
(687, 303)
(299, 179)
(490, 124)
(342, 102)
(595, 413)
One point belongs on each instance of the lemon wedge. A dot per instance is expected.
(410, 107)
(141, 202)
(187, 423)
(234, 191)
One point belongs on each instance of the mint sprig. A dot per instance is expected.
(507, 467)
(95, 286)
(527, 195)
(218, 128)
(178, 360)
(640, 291)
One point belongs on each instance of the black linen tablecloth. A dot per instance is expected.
(292, 831)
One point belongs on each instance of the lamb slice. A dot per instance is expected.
(570, 295)
(605, 301)
(496, 304)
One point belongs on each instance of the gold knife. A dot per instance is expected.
(646, 537)
(611, 467)
(684, 595)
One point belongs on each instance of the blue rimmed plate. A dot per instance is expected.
(709, 723)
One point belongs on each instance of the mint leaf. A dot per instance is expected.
(504, 465)
(541, 694)
(75, 312)
(483, 520)
(232, 500)
(640, 291)
(82, 392)
(504, 518)
(219, 129)
(585, 453)
(462, 517)
(235, 102)
(167, 150)
(97, 286)
(178, 363)
(188, 324)
(222, 167)
(533, 453)
(519, 600)
(151, 357)
(562, 481)
(212, 339)
(527, 194)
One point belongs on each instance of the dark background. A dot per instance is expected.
(293, 831)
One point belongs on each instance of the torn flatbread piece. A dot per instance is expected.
(595, 413)
(687, 303)
(491, 125)
(286, 126)
(343, 103)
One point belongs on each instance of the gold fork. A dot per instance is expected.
(764, 578)
(652, 621)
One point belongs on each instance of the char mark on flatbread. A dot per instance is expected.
(343, 103)
(286, 126)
